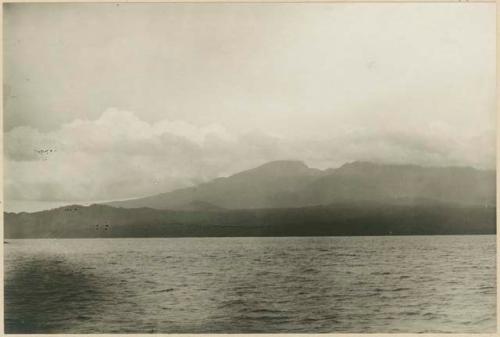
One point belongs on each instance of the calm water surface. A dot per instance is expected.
(231, 285)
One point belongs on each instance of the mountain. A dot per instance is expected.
(287, 198)
(411, 184)
(261, 187)
(285, 184)
(341, 219)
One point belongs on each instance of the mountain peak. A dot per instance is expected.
(361, 163)
(286, 183)
(287, 164)
(280, 168)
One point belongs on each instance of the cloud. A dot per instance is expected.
(120, 156)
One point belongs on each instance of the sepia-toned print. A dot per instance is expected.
(249, 168)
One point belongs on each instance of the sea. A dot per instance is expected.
(386, 284)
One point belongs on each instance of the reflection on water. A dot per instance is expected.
(217, 285)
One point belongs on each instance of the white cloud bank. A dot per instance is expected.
(120, 156)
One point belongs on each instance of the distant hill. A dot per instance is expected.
(261, 187)
(100, 221)
(289, 184)
(363, 181)
(287, 198)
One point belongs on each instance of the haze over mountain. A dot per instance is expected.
(287, 198)
(261, 187)
(293, 184)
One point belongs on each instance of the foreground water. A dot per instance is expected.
(230, 285)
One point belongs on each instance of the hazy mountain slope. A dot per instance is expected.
(356, 199)
(338, 219)
(293, 184)
(361, 181)
(264, 186)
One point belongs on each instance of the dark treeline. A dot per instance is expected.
(333, 220)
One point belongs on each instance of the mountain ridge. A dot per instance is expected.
(341, 219)
(287, 198)
(291, 183)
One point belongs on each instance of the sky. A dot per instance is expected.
(116, 101)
